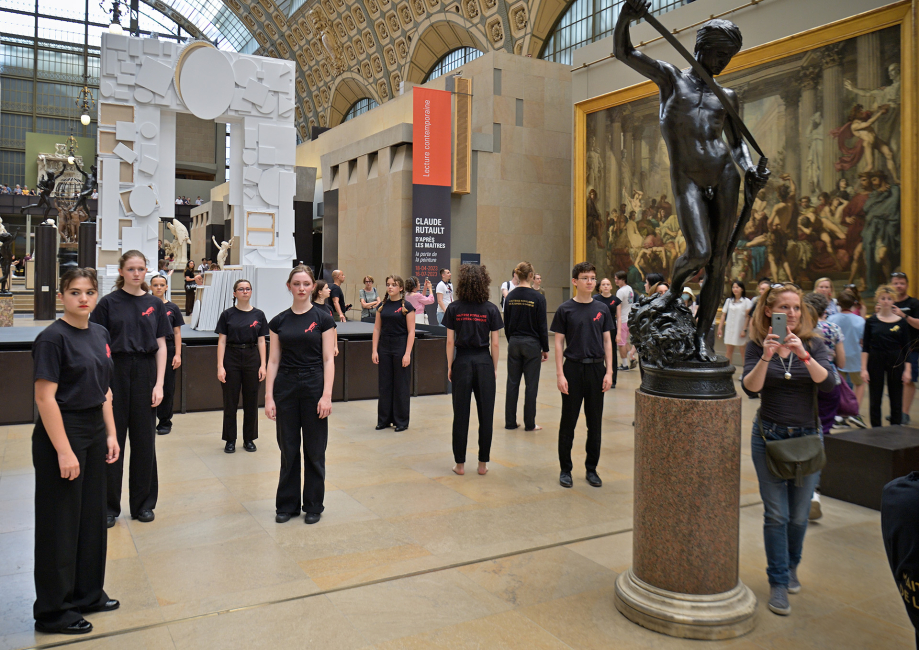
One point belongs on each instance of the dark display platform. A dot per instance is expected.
(860, 463)
(197, 388)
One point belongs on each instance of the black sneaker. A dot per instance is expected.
(564, 479)
(163, 429)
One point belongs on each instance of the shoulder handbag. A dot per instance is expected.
(795, 458)
(848, 404)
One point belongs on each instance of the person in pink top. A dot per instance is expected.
(419, 299)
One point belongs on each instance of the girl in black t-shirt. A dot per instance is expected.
(298, 396)
(393, 338)
(73, 439)
(885, 354)
(190, 287)
(173, 355)
(137, 325)
(322, 293)
(241, 331)
(609, 298)
(472, 323)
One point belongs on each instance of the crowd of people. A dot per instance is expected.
(23, 190)
(105, 377)
(184, 200)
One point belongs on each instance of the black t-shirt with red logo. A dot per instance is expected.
(612, 302)
(79, 361)
(583, 325)
(133, 322)
(472, 322)
(300, 336)
(392, 321)
(175, 320)
(242, 326)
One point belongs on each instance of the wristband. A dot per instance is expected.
(807, 359)
(764, 359)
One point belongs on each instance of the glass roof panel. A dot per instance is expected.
(216, 20)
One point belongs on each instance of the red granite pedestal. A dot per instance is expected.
(684, 576)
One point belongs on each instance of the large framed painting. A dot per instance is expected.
(833, 108)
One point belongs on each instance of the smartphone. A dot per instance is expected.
(780, 325)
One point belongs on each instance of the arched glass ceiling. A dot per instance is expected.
(217, 21)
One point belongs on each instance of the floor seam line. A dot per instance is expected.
(333, 590)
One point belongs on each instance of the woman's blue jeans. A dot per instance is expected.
(786, 506)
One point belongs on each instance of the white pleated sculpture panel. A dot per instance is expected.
(144, 83)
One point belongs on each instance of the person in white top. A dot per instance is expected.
(625, 294)
(507, 287)
(444, 293)
(198, 201)
(733, 323)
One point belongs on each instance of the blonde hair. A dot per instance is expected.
(885, 288)
(817, 284)
(760, 323)
(524, 271)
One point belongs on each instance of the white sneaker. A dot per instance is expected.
(816, 512)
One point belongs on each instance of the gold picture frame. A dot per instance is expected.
(904, 15)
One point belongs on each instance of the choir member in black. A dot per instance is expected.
(583, 368)
(138, 325)
(190, 287)
(527, 335)
(173, 355)
(608, 297)
(322, 292)
(74, 438)
(472, 323)
(393, 339)
(298, 396)
(241, 331)
(885, 353)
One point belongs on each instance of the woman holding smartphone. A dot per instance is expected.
(241, 331)
(298, 396)
(393, 338)
(786, 362)
(73, 439)
(138, 326)
(419, 300)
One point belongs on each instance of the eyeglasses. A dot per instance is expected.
(246, 289)
(898, 274)
(784, 285)
(850, 286)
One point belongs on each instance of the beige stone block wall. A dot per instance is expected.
(195, 139)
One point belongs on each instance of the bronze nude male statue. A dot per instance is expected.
(705, 181)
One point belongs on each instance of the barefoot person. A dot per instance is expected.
(472, 323)
(73, 439)
(583, 369)
(298, 397)
(138, 326)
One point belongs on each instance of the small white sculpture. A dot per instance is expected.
(2, 227)
(49, 222)
(178, 247)
(224, 251)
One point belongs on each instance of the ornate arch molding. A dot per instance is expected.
(348, 89)
(437, 38)
(546, 14)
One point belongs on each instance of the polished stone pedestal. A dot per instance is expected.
(684, 576)
(6, 311)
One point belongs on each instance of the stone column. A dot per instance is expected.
(833, 114)
(869, 74)
(614, 169)
(790, 97)
(684, 580)
(654, 163)
(808, 79)
(625, 175)
(638, 130)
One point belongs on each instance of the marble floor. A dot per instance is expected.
(409, 555)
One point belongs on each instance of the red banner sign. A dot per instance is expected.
(431, 137)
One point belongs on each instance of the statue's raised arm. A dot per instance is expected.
(660, 72)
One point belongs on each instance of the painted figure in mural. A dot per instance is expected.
(861, 127)
(594, 165)
(594, 220)
(45, 188)
(888, 126)
(814, 164)
(881, 236)
(703, 175)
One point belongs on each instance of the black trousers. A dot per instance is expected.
(393, 405)
(189, 301)
(166, 407)
(132, 391)
(585, 384)
(614, 334)
(296, 396)
(524, 358)
(241, 365)
(70, 534)
(473, 374)
(881, 366)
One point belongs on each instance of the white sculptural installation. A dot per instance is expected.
(178, 247)
(224, 251)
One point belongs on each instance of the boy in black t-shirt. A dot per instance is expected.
(584, 371)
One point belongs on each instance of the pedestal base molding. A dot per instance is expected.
(710, 617)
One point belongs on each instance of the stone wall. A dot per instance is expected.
(195, 139)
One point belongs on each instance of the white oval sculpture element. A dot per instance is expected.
(143, 200)
(148, 130)
(106, 89)
(143, 96)
(244, 70)
(268, 187)
(207, 83)
(250, 157)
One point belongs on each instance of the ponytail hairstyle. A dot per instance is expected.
(397, 280)
(317, 288)
(524, 272)
(236, 284)
(72, 275)
(119, 282)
